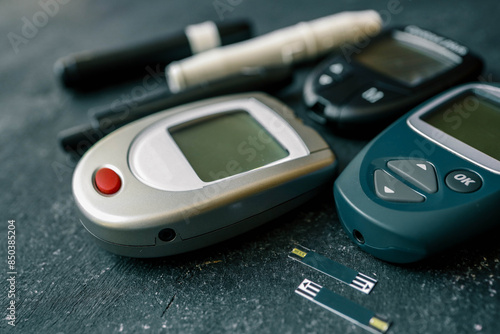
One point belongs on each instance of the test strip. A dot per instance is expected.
(333, 269)
(342, 307)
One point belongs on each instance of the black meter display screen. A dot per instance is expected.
(473, 120)
(404, 59)
(226, 144)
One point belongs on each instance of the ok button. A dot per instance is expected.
(463, 181)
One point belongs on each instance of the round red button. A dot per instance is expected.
(107, 181)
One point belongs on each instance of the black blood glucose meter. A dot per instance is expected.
(364, 89)
(429, 181)
(198, 174)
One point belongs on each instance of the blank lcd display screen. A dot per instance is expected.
(472, 119)
(226, 144)
(408, 62)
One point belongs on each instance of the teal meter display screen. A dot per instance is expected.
(226, 144)
(473, 120)
(403, 61)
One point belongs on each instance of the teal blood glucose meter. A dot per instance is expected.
(429, 181)
(198, 174)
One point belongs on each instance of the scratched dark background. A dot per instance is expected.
(66, 284)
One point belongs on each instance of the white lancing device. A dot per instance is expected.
(291, 45)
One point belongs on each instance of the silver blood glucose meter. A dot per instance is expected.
(198, 174)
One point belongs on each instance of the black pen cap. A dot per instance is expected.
(90, 70)
(231, 32)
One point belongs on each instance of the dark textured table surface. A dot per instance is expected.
(66, 284)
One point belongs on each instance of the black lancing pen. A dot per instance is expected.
(90, 70)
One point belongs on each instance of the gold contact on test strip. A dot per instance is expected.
(298, 252)
(379, 324)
